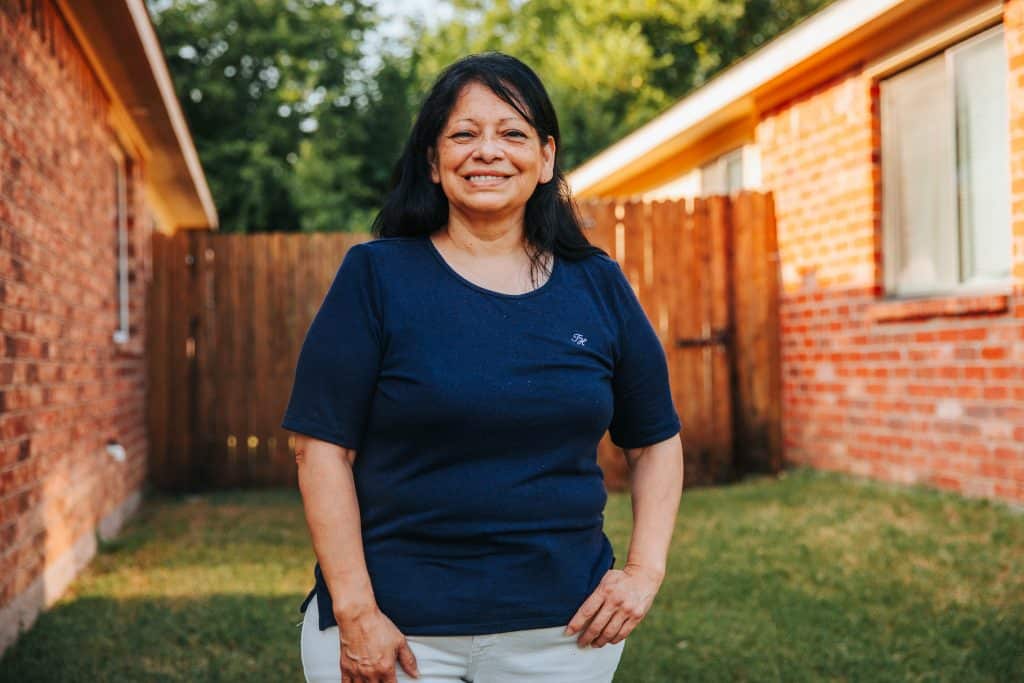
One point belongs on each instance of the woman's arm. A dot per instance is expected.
(656, 488)
(332, 514)
(623, 597)
(370, 642)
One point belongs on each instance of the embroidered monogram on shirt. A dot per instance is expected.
(579, 339)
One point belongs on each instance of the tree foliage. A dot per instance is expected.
(264, 82)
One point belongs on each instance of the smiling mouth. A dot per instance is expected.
(485, 179)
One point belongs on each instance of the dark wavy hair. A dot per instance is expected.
(417, 206)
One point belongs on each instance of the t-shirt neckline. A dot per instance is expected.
(503, 295)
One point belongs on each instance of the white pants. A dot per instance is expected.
(541, 655)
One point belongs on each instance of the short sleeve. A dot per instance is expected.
(337, 368)
(643, 412)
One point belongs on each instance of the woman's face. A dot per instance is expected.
(489, 159)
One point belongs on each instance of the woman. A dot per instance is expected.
(450, 395)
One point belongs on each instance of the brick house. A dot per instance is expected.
(891, 136)
(95, 154)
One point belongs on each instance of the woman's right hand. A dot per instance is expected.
(370, 645)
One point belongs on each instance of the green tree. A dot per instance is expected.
(260, 82)
(343, 170)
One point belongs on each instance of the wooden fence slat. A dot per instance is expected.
(234, 370)
(772, 337)
(199, 464)
(757, 362)
(693, 253)
(599, 224)
(179, 438)
(665, 223)
(633, 261)
(277, 350)
(206, 344)
(718, 359)
(222, 324)
(157, 351)
(256, 435)
(664, 270)
(745, 314)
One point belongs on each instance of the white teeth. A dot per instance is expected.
(478, 178)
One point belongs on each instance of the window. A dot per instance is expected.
(724, 175)
(946, 170)
(121, 169)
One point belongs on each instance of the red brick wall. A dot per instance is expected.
(928, 393)
(65, 387)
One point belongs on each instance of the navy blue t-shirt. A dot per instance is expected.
(475, 417)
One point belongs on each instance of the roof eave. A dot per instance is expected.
(717, 102)
(120, 42)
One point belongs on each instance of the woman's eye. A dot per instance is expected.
(516, 133)
(462, 134)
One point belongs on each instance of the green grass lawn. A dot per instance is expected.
(809, 577)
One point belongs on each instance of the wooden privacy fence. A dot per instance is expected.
(707, 276)
(228, 313)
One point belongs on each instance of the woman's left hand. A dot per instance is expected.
(616, 606)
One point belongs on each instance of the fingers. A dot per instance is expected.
(597, 624)
(611, 612)
(347, 676)
(626, 629)
(408, 660)
(369, 654)
(611, 629)
(389, 676)
(352, 677)
(586, 612)
(368, 673)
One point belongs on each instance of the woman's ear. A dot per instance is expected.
(435, 175)
(547, 170)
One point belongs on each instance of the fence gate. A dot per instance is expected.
(228, 313)
(706, 274)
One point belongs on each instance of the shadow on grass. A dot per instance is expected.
(215, 638)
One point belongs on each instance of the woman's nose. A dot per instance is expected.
(489, 148)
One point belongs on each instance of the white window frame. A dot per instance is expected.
(718, 169)
(120, 220)
(945, 42)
